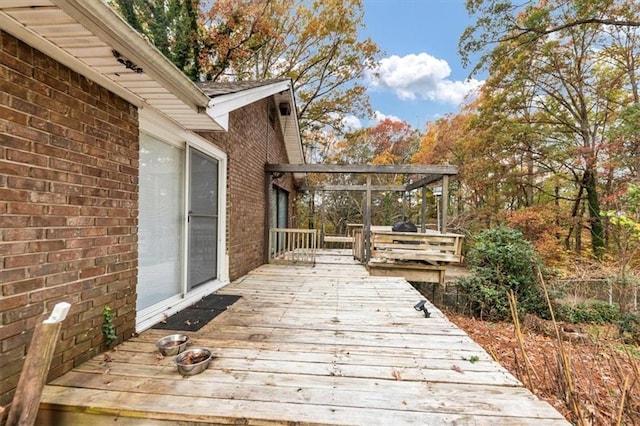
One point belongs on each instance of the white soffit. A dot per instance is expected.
(83, 34)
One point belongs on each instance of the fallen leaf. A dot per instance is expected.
(107, 358)
(396, 375)
(458, 369)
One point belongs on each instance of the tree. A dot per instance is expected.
(626, 223)
(500, 21)
(556, 95)
(171, 25)
(313, 43)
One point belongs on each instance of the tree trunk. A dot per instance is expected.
(575, 223)
(593, 205)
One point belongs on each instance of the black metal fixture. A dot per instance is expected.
(126, 62)
(276, 175)
(420, 306)
(285, 108)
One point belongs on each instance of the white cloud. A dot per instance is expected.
(351, 123)
(378, 117)
(421, 76)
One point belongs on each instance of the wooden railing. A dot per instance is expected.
(414, 256)
(433, 248)
(288, 245)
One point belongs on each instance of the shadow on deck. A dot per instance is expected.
(316, 345)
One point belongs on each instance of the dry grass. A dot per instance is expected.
(592, 382)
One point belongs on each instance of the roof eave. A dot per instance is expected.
(108, 25)
(220, 106)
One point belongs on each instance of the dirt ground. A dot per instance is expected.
(605, 373)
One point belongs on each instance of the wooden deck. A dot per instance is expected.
(307, 345)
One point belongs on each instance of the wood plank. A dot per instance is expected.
(187, 408)
(386, 395)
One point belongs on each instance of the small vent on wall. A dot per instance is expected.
(285, 108)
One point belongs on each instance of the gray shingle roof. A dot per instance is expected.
(219, 88)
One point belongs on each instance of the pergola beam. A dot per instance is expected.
(438, 170)
(398, 188)
(424, 182)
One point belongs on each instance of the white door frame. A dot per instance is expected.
(158, 126)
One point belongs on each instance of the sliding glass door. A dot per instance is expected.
(160, 228)
(178, 230)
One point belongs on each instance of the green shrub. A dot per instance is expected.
(596, 313)
(501, 260)
(629, 328)
(108, 328)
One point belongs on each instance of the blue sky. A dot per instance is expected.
(421, 75)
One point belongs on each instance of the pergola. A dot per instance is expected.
(425, 174)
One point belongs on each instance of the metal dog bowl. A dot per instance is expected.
(173, 344)
(193, 361)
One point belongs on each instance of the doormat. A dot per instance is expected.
(199, 314)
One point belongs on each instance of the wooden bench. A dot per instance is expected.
(414, 256)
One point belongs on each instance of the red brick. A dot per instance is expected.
(23, 312)
(11, 262)
(13, 248)
(92, 272)
(23, 234)
(46, 246)
(62, 278)
(45, 270)
(22, 287)
(64, 255)
(13, 115)
(26, 157)
(7, 194)
(28, 184)
(28, 209)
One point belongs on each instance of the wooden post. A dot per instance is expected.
(367, 222)
(267, 217)
(423, 227)
(26, 401)
(444, 204)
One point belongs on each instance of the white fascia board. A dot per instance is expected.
(220, 106)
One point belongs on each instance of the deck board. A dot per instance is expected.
(312, 345)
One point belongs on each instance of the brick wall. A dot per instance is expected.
(250, 143)
(68, 208)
